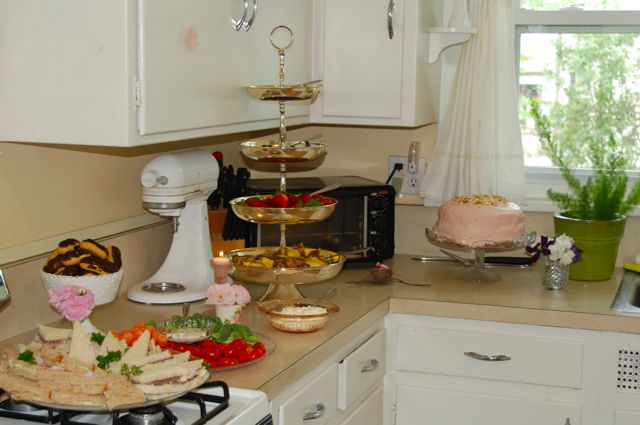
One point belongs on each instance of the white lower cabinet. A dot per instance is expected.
(419, 406)
(344, 389)
(444, 371)
(316, 402)
(368, 412)
(619, 389)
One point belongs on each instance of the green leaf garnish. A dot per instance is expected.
(130, 370)
(103, 362)
(97, 337)
(27, 356)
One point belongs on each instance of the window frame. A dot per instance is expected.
(540, 179)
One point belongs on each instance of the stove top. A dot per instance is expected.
(213, 403)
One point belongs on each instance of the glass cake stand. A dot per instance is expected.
(477, 272)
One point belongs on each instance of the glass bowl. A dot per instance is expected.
(297, 322)
(269, 215)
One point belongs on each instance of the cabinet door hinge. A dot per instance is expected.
(138, 93)
(393, 414)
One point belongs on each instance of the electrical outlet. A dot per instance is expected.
(411, 181)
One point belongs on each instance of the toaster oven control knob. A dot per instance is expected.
(379, 223)
(378, 243)
(378, 203)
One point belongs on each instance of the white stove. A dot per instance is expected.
(206, 405)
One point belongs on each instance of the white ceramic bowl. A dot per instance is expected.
(104, 287)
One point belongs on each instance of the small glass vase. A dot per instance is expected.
(229, 313)
(555, 275)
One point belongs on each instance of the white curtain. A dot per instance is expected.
(479, 145)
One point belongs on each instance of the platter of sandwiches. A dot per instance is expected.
(69, 369)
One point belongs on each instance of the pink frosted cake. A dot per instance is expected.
(479, 221)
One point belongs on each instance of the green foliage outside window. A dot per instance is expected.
(600, 99)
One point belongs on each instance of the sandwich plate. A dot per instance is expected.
(149, 402)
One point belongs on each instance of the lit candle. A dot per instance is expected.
(221, 266)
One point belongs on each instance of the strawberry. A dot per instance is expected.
(279, 200)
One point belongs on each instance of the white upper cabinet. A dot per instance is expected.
(372, 58)
(128, 73)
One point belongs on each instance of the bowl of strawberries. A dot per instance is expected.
(283, 208)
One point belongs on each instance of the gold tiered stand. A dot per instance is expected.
(283, 281)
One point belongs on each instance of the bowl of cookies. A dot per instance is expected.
(87, 264)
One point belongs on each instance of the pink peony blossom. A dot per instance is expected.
(220, 294)
(73, 302)
(242, 295)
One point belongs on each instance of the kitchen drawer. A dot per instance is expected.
(429, 406)
(318, 396)
(625, 417)
(361, 369)
(528, 359)
(369, 412)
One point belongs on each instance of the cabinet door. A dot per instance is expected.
(362, 65)
(425, 406)
(367, 413)
(193, 65)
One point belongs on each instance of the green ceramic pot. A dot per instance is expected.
(598, 240)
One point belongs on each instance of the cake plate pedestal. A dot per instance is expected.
(477, 272)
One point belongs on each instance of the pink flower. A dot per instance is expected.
(227, 294)
(220, 294)
(73, 302)
(242, 295)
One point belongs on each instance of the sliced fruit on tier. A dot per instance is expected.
(288, 200)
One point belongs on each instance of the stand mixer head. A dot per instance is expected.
(177, 185)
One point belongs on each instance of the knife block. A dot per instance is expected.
(216, 224)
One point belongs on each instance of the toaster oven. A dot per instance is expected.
(363, 219)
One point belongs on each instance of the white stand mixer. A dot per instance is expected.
(177, 185)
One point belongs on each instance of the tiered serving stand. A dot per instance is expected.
(283, 281)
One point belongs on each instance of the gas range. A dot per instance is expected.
(214, 403)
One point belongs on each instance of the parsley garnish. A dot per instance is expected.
(27, 356)
(111, 357)
(97, 337)
(130, 370)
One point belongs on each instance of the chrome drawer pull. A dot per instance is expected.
(248, 24)
(371, 366)
(390, 11)
(487, 357)
(237, 23)
(314, 414)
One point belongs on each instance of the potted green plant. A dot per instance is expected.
(594, 211)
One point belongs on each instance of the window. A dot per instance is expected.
(581, 63)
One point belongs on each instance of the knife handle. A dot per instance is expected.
(518, 261)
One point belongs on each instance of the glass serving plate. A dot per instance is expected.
(282, 281)
(149, 402)
(288, 151)
(269, 215)
(477, 272)
(285, 92)
(269, 346)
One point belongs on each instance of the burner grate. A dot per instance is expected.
(209, 405)
(16, 410)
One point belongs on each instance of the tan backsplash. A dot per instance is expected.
(143, 252)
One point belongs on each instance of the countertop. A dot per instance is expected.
(517, 298)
